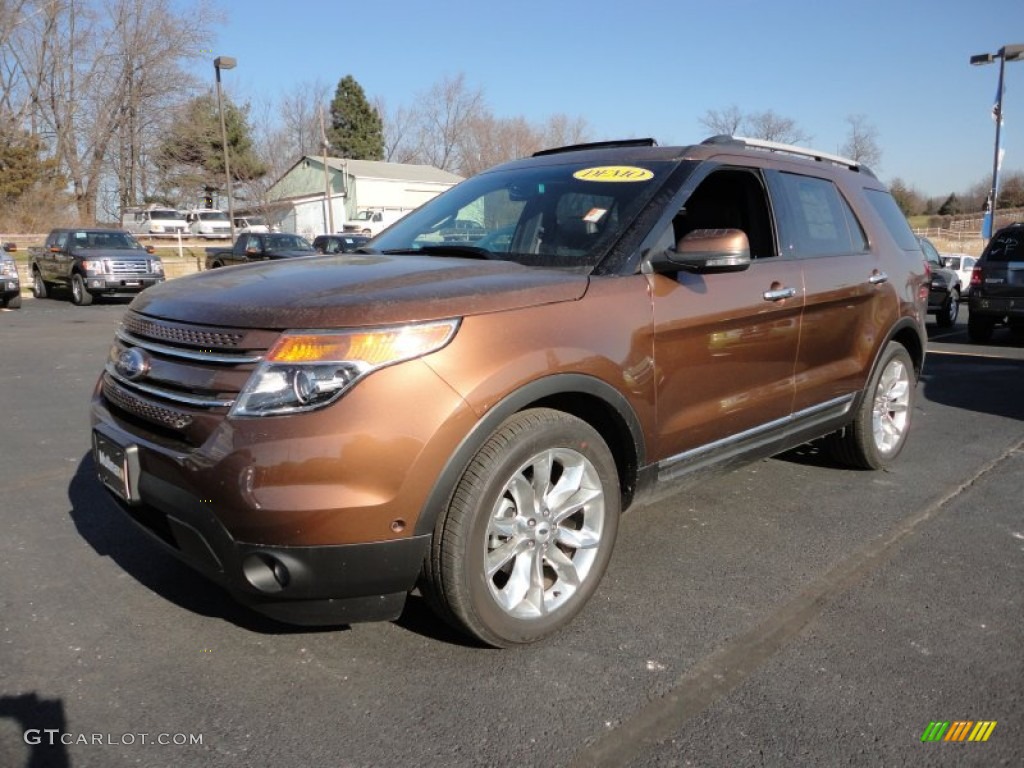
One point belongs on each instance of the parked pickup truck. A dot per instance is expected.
(93, 262)
(259, 246)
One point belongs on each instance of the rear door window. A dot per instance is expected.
(819, 221)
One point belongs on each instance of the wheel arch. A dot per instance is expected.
(907, 333)
(587, 398)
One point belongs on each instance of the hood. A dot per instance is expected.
(285, 253)
(118, 254)
(349, 290)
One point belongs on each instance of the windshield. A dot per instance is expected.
(212, 216)
(166, 214)
(109, 240)
(564, 216)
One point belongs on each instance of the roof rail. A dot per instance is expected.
(791, 149)
(598, 145)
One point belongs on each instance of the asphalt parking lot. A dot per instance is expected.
(791, 613)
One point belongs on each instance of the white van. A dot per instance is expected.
(154, 221)
(209, 223)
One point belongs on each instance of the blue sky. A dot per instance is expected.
(634, 68)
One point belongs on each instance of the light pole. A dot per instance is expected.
(225, 62)
(1004, 54)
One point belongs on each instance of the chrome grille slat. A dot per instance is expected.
(168, 394)
(186, 354)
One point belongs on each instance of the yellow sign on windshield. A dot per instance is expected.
(614, 173)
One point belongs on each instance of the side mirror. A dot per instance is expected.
(705, 251)
(252, 251)
(54, 249)
(10, 247)
(150, 249)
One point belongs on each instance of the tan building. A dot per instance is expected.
(298, 201)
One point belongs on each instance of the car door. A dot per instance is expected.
(725, 344)
(54, 259)
(848, 302)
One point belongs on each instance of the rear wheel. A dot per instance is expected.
(39, 289)
(950, 310)
(879, 430)
(79, 295)
(979, 328)
(529, 531)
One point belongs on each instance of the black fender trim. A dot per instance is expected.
(536, 392)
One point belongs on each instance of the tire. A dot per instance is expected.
(946, 317)
(80, 297)
(513, 560)
(879, 429)
(14, 302)
(979, 328)
(39, 289)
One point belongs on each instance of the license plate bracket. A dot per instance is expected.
(116, 465)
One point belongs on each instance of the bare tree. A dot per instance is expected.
(726, 121)
(399, 128)
(561, 130)
(443, 113)
(770, 126)
(862, 141)
(95, 78)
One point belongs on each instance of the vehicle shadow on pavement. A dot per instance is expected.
(990, 385)
(111, 534)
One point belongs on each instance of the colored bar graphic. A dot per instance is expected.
(935, 731)
(958, 730)
(982, 730)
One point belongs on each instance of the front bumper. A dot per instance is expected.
(307, 585)
(107, 285)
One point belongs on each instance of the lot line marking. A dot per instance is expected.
(718, 674)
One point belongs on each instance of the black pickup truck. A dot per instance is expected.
(259, 246)
(93, 262)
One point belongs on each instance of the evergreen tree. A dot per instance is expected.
(356, 132)
(191, 155)
(951, 206)
(21, 167)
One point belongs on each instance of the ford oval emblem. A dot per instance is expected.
(132, 364)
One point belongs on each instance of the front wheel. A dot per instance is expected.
(950, 310)
(13, 303)
(529, 531)
(38, 285)
(879, 429)
(79, 295)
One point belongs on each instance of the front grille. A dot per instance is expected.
(185, 377)
(127, 401)
(129, 267)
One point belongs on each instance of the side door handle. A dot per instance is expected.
(778, 294)
(878, 277)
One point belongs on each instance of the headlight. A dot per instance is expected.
(306, 371)
(94, 265)
(156, 265)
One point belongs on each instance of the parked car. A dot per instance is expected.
(93, 262)
(462, 231)
(944, 292)
(257, 246)
(321, 436)
(339, 243)
(10, 282)
(997, 285)
(963, 265)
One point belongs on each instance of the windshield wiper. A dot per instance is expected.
(465, 251)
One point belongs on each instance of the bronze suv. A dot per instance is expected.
(321, 436)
